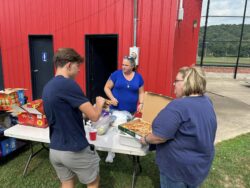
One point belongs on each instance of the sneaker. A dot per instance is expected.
(110, 157)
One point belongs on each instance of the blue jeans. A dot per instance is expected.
(168, 183)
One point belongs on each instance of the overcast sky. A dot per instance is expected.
(225, 8)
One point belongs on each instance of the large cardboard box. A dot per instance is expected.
(10, 97)
(32, 114)
(153, 104)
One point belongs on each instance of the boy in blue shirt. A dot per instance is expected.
(64, 102)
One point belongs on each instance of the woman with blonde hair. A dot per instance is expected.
(184, 133)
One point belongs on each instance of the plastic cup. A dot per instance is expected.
(92, 134)
(138, 114)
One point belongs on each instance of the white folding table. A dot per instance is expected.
(107, 142)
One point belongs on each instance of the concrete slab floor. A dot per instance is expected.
(231, 100)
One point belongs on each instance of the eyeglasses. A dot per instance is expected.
(177, 81)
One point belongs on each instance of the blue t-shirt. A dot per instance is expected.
(61, 99)
(126, 92)
(190, 125)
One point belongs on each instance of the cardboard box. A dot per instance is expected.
(37, 104)
(10, 97)
(136, 128)
(153, 104)
(7, 146)
(128, 140)
(32, 114)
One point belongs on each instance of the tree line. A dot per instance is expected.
(223, 40)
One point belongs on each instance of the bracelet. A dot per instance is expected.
(145, 139)
(140, 102)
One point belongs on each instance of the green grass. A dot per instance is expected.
(230, 169)
(223, 61)
(41, 173)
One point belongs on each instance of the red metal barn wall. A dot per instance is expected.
(186, 36)
(161, 45)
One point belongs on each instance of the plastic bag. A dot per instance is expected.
(103, 124)
(121, 117)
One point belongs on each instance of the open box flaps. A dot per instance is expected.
(31, 114)
(11, 97)
(153, 104)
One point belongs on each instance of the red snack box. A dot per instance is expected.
(33, 114)
(10, 97)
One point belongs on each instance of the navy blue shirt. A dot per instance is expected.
(190, 125)
(61, 99)
(126, 92)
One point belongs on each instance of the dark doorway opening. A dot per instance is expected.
(42, 69)
(101, 61)
(1, 72)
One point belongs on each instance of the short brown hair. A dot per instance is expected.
(65, 55)
(194, 81)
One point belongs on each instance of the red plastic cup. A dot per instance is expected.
(92, 134)
(138, 114)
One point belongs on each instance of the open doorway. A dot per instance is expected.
(101, 61)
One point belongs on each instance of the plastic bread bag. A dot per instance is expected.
(121, 117)
(103, 124)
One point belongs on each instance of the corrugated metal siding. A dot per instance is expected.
(69, 21)
(157, 23)
(186, 37)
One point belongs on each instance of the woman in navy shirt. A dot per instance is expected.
(125, 87)
(184, 133)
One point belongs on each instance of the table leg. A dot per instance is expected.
(137, 169)
(32, 154)
(45, 147)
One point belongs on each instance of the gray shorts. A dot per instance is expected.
(84, 164)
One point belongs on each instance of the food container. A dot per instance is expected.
(11, 97)
(127, 140)
(103, 124)
(153, 104)
(31, 114)
(136, 128)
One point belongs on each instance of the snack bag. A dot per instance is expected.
(103, 124)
